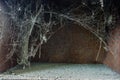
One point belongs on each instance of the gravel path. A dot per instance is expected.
(48, 71)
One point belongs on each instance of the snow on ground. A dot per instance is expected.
(50, 71)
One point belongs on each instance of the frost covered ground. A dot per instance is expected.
(50, 71)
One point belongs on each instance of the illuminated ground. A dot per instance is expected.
(47, 71)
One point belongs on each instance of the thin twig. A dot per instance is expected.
(98, 53)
